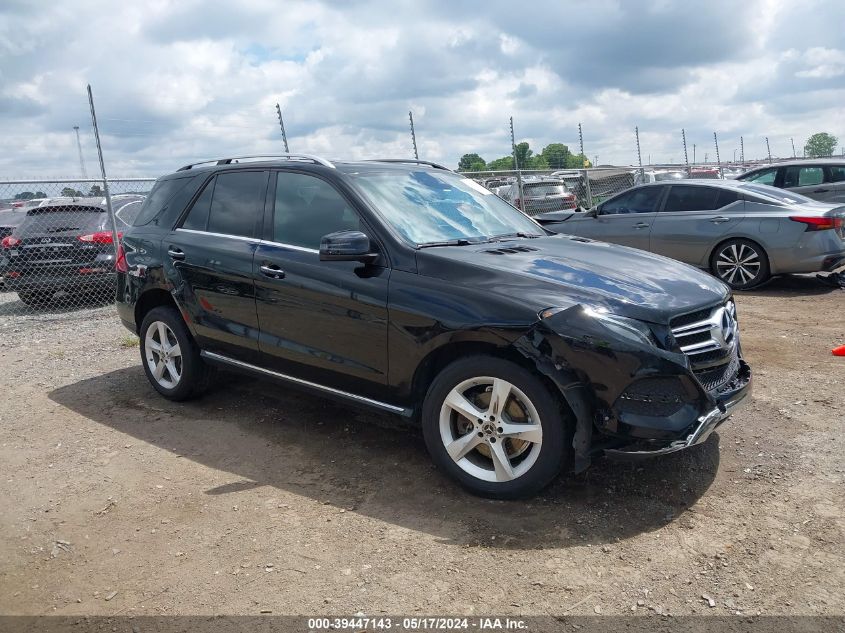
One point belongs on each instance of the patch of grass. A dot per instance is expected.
(129, 341)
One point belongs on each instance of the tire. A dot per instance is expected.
(740, 263)
(534, 458)
(36, 298)
(183, 374)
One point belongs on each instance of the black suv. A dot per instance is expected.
(405, 287)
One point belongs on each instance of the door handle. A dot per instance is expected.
(820, 190)
(641, 225)
(176, 253)
(272, 271)
(719, 219)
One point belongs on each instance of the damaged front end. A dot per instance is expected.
(639, 389)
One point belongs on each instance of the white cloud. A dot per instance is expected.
(181, 81)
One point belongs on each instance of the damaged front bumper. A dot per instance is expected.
(706, 424)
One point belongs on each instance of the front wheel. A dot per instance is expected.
(170, 356)
(495, 427)
(740, 263)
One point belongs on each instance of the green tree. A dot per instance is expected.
(523, 155)
(556, 155)
(471, 162)
(28, 195)
(501, 164)
(71, 193)
(820, 144)
(96, 191)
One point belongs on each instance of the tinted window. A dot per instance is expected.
(307, 208)
(230, 204)
(637, 201)
(162, 193)
(836, 174)
(726, 197)
(800, 176)
(198, 215)
(128, 211)
(765, 177)
(236, 203)
(691, 198)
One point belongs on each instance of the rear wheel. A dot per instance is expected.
(495, 427)
(170, 356)
(740, 263)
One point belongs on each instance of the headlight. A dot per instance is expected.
(626, 328)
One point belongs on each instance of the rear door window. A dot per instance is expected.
(726, 197)
(230, 204)
(803, 176)
(546, 189)
(836, 173)
(691, 198)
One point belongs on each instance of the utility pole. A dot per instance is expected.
(413, 135)
(684, 139)
(516, 166)
(693, 153)
(741, 150)
(768, 150)
(282, 125)
(792, 140)
(79, 148)
(107, 194)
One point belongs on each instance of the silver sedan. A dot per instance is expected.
(742, 232)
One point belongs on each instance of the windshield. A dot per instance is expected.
(438, 206)
(773, 194)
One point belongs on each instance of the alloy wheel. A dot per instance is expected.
(164, 356)
(490, 429)
(738, 264)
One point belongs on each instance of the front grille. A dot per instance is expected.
(713, 378)
(709, 337)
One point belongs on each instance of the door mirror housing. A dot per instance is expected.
(592, 213)
(346, 246)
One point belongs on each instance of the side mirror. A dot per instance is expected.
(346, 246)
(592, 213)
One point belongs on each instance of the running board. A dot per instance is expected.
(225, 360)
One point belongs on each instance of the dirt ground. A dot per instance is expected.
(259, 498)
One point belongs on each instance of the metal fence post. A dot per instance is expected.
(686, 156)
(587, 189)
(516, 166)
(413, 136)
(718, 160)
(768, 149)
(115, 236)
(639, 154)
(282, 125)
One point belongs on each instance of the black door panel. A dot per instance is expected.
(322, 321)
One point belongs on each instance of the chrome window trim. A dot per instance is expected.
(293, 247)
(253, 240)
(307, 383)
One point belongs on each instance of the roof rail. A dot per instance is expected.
(414, 161)
(317, 160)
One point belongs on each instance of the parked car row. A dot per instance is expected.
(64, 245)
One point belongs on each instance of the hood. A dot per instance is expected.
(564, 270)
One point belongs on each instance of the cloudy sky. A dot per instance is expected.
(177, 81)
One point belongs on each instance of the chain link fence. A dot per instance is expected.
(542, 191)
(59, 245)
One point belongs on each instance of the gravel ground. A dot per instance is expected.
(258, 498)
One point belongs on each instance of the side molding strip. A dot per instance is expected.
(306, 383)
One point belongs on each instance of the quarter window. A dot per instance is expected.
(643, 200)
(836, 173)
(307, 208)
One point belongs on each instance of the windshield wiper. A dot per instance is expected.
(518, 234)
(461, 241)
